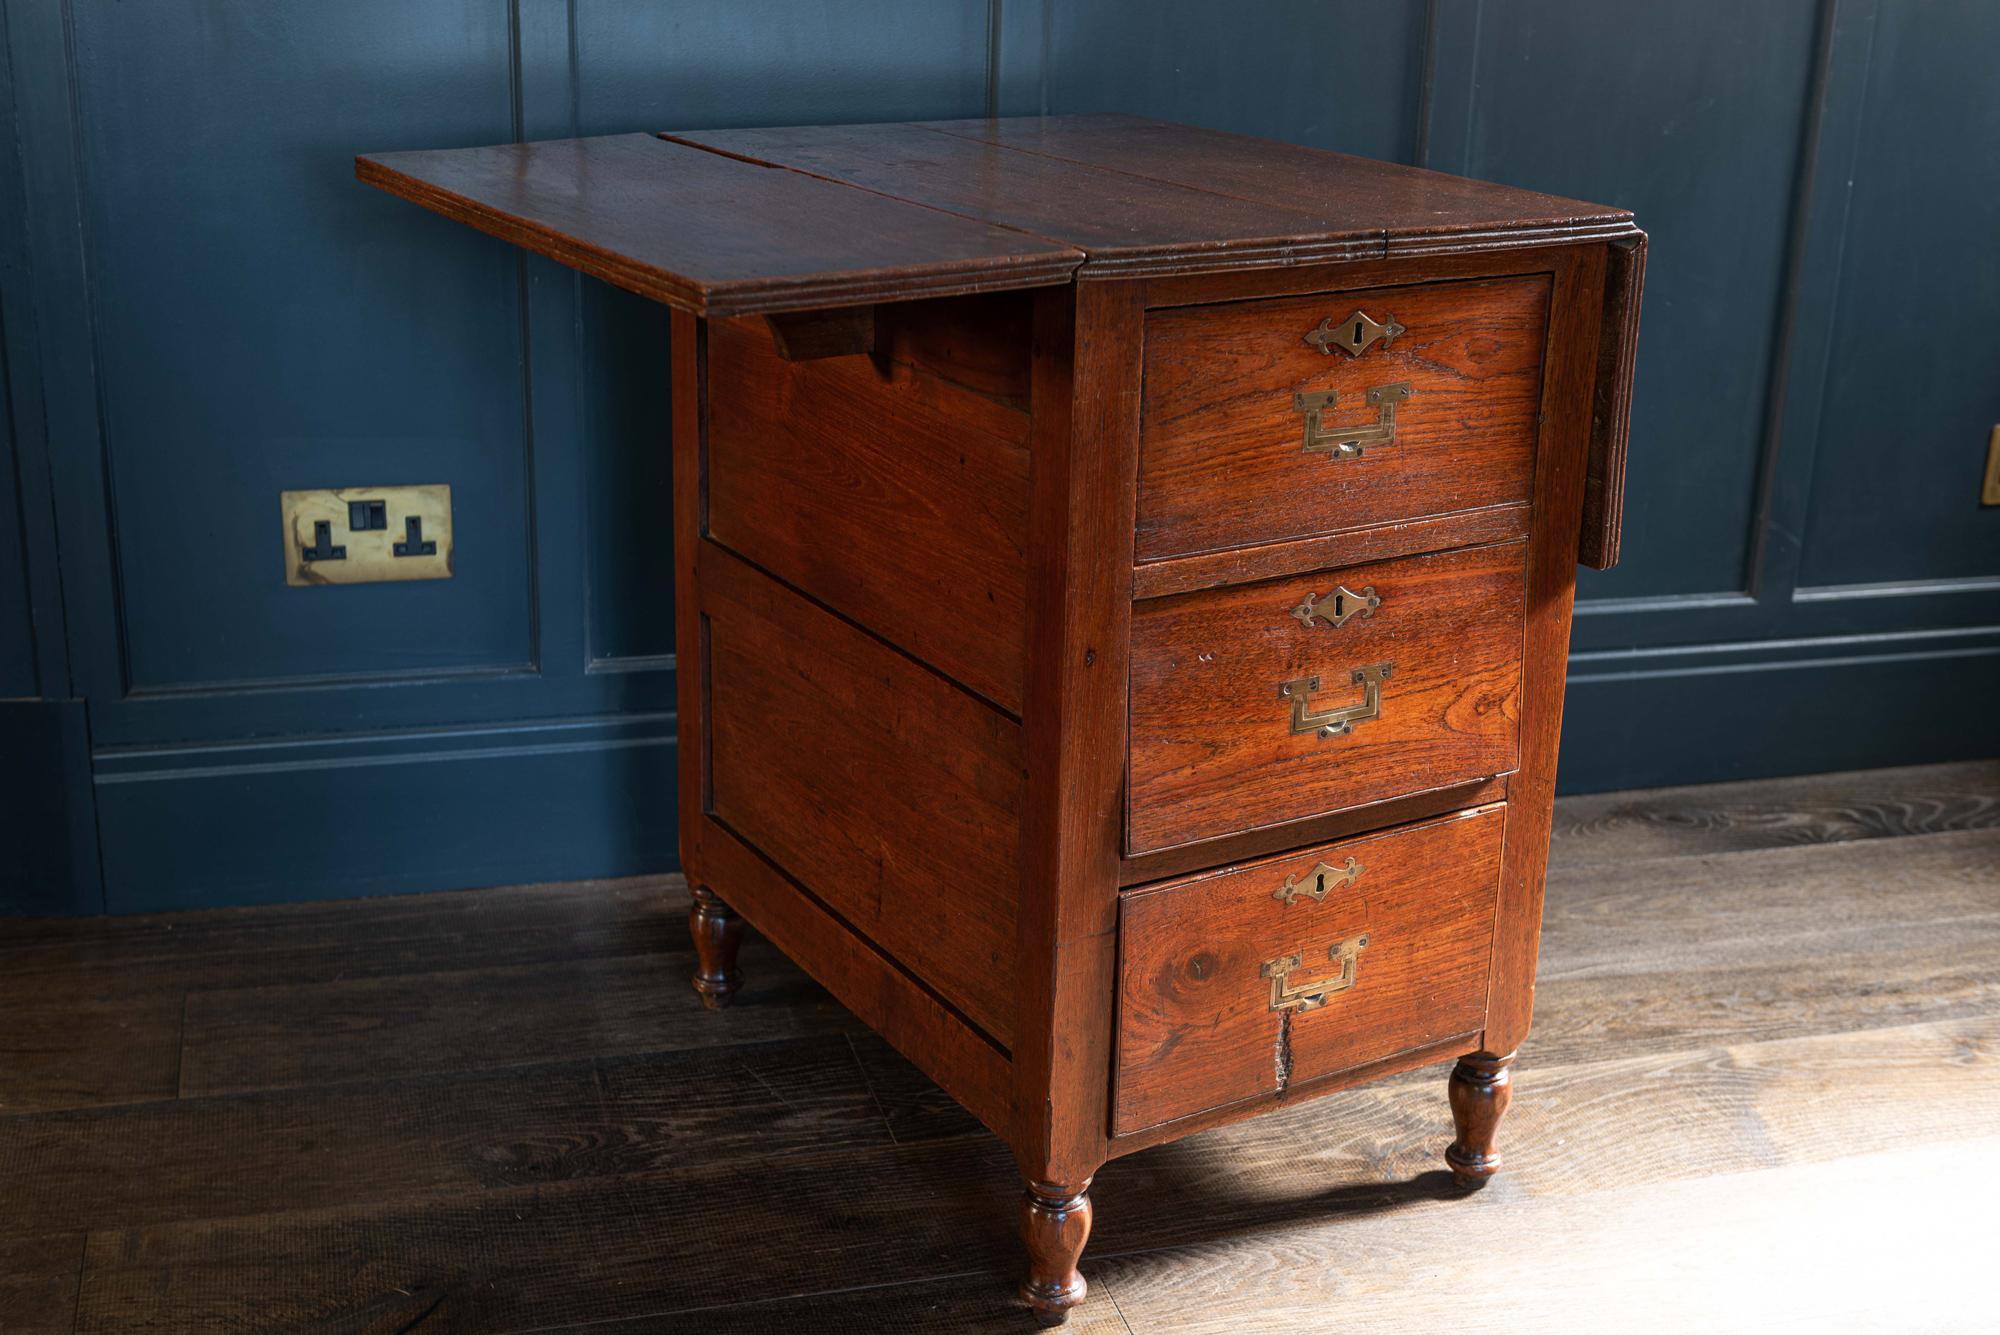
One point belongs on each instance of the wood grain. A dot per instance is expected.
(1087, 374)
(281, 1036)
(1574, 310)
(370, 1141)
(970, 1304)
(1196, 1028)
(1356, 546)
(892, 495)
(526, 1257)
(38, 1283)
(1223, 463)
(1611, 405)
(1409, 207)
(1777, 813)
(1127, 225)
(1212, 746)
(711, 235)
(894, 797)
(693, 791)
(1766, 1251)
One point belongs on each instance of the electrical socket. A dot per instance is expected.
(367, 535)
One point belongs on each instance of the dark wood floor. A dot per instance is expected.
(1763, 1094)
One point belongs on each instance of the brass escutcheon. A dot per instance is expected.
(1318, 882)
(1354, 335)
(1336, 607)
(1342, 718)
(1350, 442)
(1311, 996)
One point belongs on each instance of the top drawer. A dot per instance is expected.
(1259, 426)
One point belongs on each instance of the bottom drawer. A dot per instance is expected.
(1240, 983)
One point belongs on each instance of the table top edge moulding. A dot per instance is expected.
(1123, 580)
(711, 234)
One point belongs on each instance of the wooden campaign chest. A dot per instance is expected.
(1124, 588)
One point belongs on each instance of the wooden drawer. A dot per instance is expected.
(1240, 983)
(1226, 686)
(1227, 459)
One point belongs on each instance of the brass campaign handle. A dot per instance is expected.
(1311, 996)
(1350, 442)
(1340, 719)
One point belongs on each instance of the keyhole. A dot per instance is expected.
(1357, 333)
(1319, 883)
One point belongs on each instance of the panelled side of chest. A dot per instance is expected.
(851, 554)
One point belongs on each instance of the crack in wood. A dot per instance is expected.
(1284, 1050)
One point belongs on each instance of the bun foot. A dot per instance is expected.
(717, 931)
(1480, 1090)
(1055, 1223)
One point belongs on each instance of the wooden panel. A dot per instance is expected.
(1905, 420)
(893, 495)
(1191, 61)
(890, 794)
(1693, 115)
(1200, 1023)
(1223, 462)
(710, 234)
(1212, 750)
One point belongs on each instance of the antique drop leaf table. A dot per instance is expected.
(1124, 576)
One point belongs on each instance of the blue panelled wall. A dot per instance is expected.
(199, 308)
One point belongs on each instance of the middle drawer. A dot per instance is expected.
(1272, 702)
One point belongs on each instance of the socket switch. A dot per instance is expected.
(367, 535)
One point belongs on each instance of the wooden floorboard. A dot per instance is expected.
(1770, 813)
(38, 1283)
(1759, 1096)
(1886, 1242)
(322, 1033)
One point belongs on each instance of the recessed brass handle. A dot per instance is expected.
(1342, 718)
(1350, 442)
(1311, 996)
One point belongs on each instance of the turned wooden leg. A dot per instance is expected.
(717, 932)
(1055, 1223)
(1480, 1090)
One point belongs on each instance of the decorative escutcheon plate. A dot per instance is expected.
(1354, 335)
(1319, 881)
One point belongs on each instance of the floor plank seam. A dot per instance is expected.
(868, 1084)
(348, 1082)
(180, 1050)
(1110, 1291)
(802, 1295)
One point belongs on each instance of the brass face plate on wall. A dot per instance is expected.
(367, 535)
(1990, 493)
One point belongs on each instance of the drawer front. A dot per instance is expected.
(1265, 703)
(1242, 983)
(1250, 434)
